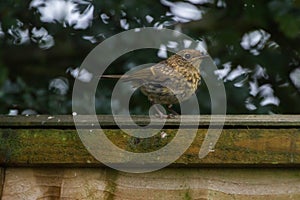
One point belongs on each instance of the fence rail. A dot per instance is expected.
(256, 157)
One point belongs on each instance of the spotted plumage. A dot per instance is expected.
(170, 81)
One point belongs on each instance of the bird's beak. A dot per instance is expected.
(196, 61)
(204, 56)
(199, 58)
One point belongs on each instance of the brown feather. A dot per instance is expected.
(170, 81)
(114, 76)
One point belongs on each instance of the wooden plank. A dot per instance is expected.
(251, 142)
(236, 147)
(108, 120)
(183, 183)
(245, 141)
(2, 178)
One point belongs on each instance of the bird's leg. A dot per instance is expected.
(173, 112)
(159, 113)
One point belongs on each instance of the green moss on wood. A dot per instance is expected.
(235, 146)
(111, 184)
(187, 195)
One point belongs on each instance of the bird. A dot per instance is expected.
(170, 81)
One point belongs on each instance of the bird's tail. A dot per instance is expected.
(114, 76)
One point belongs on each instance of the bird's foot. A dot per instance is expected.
(172, 116)
(164, 116)
(161, 115)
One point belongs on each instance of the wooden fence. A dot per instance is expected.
(256, 157)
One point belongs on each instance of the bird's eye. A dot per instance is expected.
(187, 56)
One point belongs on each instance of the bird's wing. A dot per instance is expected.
(156, 73)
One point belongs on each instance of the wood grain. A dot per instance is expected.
(2, 178)
(255, 158)
(103, 183)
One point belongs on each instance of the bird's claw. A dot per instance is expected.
(163, 116)
(172, 116)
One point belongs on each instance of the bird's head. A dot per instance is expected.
(193, 56)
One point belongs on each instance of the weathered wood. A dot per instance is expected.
(248, 142)
(2, 178)
(108, 120)
(236, 147)
(186, 183)
(245, 141)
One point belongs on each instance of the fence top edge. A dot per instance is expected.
(185, 120)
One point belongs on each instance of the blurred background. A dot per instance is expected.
(254, 43)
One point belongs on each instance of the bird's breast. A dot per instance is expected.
(172, 91)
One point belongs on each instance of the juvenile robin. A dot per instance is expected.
(170, 81)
